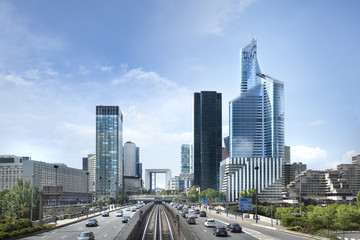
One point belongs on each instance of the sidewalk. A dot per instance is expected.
(266, 223)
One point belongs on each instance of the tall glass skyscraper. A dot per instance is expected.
(207, 139)
(256, 117)
(256, 129)
(109, 151)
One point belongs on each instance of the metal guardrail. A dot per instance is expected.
(188, 233)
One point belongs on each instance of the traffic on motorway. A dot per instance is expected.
(105, 226)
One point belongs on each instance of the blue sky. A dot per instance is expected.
(59, 59)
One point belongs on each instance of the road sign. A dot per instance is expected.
(206, 201)
(245, 204)
(219, 199)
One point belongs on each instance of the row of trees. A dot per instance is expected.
(193, 194)
(122, 199)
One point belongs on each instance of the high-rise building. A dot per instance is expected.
(207, 139)
(256, 129)
(185, 158)
(130, 159)
(109, 151)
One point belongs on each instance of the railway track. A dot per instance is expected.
(158, 225)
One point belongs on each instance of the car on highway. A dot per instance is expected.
(191, 220)
(119, 213)
(86, 236)
(92, 222)
(234, 227)
(193, 214)
(220, 231)
(202, 214)
(183, 214)
(209, 223)
(105, 214)
(125, 219)
(133, 209)
(128, 209)
(197, 211)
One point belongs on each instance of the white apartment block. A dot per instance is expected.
(9, 174)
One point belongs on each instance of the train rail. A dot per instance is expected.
(158, 226)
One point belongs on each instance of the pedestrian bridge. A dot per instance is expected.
(151, 198)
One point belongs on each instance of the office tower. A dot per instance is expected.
(287, 154)
(256, 129)
(109, 151)
(130, 152)
(191, 158)
(207, 139)
(85, 162)
(185, 158)
(256, 121)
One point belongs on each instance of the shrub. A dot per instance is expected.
(4, 235)
(287, 221)
(296, 229)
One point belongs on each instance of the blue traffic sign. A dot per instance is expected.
(245, 204)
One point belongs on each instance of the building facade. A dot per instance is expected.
(130, 159)
(256, 130)
(72, 182)
(185, 158)
(207, 139)
(9, 174)
(109, 151)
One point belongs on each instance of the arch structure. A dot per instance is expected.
(150, 177)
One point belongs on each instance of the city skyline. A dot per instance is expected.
(55, 70)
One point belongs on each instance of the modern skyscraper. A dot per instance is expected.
(207, 139)
(256, 128)
(109, 151)
(130, 152)
(256, 121)
(185, 158)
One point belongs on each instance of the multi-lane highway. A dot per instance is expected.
(250, 231)
(108, 228)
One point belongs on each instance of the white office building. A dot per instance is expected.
(130, 159)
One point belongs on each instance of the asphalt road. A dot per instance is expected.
(108, 228)
(250, 231)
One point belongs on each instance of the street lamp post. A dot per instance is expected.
(300, 189)
(87, 187)
(56, 168)
(226, 193)
(32, 196)
(256, 191)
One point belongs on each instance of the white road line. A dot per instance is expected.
(63, 237)
(44, 236)
(105, 235)
(98, 227)
(204, 230)
(79, 228)
(115, 227)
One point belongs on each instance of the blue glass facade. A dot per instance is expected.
(109, 151)
(256, 117)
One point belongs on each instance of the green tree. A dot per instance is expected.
(193, 195)
(212, 194)
(250, 193)
(123, 198)
(16, 202)
(358, 198)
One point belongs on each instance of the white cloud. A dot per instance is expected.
(14, 79)
(315, 157)
(317, 123)
(347, 157)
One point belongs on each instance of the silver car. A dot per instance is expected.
(86, 236)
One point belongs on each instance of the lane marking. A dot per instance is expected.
(64, 237)
(105, 235)
(98, 227)
(204, 230)
(44, 236)
(80, 228)
(115, 227)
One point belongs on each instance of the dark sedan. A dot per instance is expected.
(202, 214)
(234, 227)
(220, 231)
